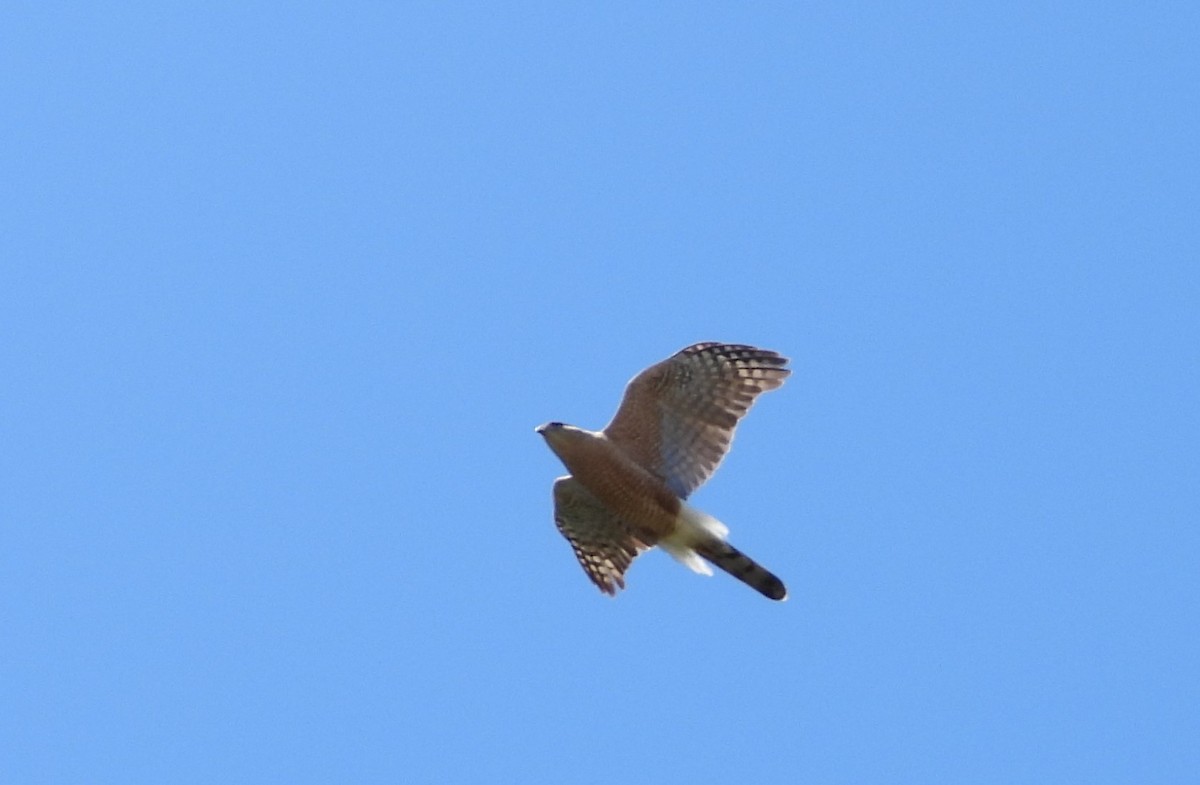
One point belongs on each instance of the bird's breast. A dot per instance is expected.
(623, 486)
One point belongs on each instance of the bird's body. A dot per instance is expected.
(628, 483)
(622, 486)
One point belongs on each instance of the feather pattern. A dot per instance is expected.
(678, 417)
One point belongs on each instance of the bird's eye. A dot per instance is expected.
(554, 425)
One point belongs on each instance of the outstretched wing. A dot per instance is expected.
(602, 542)
(678, 417)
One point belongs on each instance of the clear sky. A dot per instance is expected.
(285, 288)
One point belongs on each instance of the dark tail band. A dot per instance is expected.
(728, 558)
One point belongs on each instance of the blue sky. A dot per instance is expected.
(284, 290)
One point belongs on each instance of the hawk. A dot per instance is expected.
(627, 484)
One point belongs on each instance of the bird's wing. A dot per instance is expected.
(678, 417)
(602, 542)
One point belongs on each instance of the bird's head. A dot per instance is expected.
(559, 435)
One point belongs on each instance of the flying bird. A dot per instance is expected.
(628, 483)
